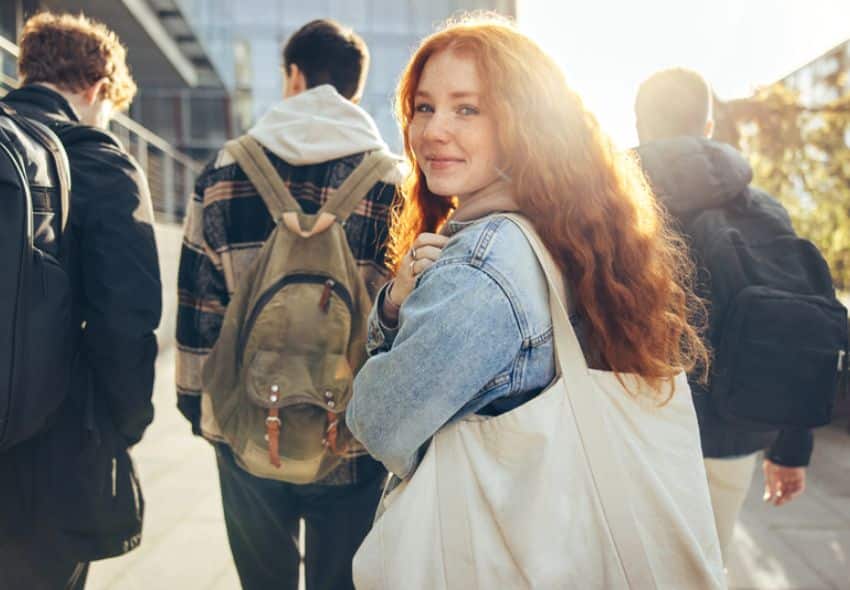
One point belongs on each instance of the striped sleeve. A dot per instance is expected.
(202, 300)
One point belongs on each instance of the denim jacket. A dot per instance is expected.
(474, 336)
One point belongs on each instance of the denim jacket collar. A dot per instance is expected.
(452, 227)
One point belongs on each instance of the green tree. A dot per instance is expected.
(801, 156)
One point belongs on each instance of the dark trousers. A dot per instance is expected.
(262, 526)
(38, 564)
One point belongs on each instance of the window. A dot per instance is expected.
(210, 120)
(352, 13)
(9, 19)
(296, 14)
(265, 65)
(257, 12)
(391, 17)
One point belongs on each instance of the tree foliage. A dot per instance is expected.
(801, 156)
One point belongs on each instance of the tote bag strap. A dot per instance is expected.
(605, 466)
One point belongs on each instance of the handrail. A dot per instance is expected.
(154, 140)
(170, 173)
(8, 46)
(120, 118)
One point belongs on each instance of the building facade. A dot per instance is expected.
(207, 69)
(165, 58)
(162, 52)
(245, 39)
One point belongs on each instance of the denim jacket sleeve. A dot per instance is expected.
(457, 330)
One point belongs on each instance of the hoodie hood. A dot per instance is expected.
(317, 125)
(693, 173)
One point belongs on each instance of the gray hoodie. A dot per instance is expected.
(316, 126)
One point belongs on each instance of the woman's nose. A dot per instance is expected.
(437, 128)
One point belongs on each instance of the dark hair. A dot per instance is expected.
(671, 103)
(328, 53)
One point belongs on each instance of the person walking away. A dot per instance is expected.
(69, 493)
(779, 336)
(284, 249)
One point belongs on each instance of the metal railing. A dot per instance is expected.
(170, 173)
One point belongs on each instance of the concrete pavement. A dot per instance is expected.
(184, 545)
(804, 545)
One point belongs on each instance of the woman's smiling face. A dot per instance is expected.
(452, 134)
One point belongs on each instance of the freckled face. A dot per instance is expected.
(452, 135)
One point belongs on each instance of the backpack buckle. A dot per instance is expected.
(332, 434)
(325, 299)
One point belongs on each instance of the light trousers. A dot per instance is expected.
(729, 481)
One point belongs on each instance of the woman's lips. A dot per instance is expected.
(442, 163)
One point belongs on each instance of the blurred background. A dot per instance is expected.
(206, 69)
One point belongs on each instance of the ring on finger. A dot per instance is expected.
(413, 253)
(412, 264)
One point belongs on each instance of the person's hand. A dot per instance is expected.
(425, 251)
(782, 484)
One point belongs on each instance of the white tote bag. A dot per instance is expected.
(585, 486)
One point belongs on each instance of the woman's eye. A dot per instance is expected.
(423, 108)
(468, 110)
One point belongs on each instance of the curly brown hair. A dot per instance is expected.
(74, 52)
(591, 204)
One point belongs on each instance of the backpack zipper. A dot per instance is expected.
(330, 286)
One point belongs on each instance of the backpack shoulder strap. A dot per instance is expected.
(49, 140)
(374, 166)
(249, 155)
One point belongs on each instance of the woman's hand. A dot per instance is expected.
(425, 251)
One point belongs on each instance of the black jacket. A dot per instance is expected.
(690, 175)
(76, 480)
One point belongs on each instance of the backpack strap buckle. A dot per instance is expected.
(332, 435)
(273, 424)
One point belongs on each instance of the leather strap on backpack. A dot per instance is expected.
(332, 434)
(273, 435)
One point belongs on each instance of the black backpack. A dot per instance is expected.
(36, 336)
(778, 332)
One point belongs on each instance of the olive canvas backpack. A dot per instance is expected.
(293, 336)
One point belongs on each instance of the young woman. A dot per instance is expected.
(490, 127)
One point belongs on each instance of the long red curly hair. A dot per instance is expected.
(591, 205)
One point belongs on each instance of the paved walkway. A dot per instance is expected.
(802, 546)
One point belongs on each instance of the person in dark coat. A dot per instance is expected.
(70, 495)
(690, 173)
